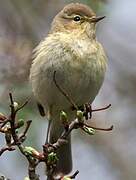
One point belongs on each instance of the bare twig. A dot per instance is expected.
(100, 129)
(12, 120)
(74, 175)
(32, 173)
(101, 109)
(23, 105)
(18, 140)
(23, 135)
(13, 138)
(63, 138)
(6, 149)
(4, 123)
(64, 92)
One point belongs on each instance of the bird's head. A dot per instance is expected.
(76, 18)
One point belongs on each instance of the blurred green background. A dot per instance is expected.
(107, 155)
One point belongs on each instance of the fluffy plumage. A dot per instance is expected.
(77, 8)
(71, 50)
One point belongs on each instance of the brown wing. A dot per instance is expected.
(41, 109)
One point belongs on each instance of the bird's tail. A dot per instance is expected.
(64, 163)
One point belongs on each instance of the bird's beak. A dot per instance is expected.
(96, 19)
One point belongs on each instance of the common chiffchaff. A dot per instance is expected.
(70, 49)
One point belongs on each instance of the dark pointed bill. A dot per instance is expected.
(97, 19)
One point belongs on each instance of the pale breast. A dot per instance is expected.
(80, 68)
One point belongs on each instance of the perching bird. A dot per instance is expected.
(73, 52)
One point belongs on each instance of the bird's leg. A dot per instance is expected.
(87, 111)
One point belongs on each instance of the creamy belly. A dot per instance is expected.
(80, 70)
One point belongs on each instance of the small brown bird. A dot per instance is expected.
(70, 49)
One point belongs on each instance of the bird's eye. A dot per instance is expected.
(77, 18)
